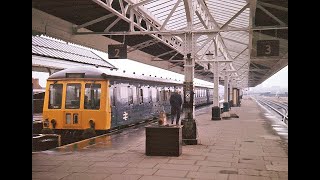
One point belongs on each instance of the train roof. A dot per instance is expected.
(88, 72)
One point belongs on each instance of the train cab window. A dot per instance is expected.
(92, 96)
(73, 96)
(55, 96)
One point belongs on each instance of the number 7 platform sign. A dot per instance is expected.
(117, 51)
(268, 48)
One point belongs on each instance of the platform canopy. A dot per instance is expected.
(250, 35)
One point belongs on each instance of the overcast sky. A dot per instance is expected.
(278, 79)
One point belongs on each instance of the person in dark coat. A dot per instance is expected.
(175, 102)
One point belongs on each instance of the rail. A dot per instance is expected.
(275, 107)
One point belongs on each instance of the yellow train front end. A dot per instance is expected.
(76, 103)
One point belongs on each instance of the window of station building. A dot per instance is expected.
(130, 95)
(73, 96)
(92, 96)
(55, 96)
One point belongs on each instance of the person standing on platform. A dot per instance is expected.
(175, 102)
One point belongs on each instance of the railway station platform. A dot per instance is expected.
(244, 148)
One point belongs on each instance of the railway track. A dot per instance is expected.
(280, 108)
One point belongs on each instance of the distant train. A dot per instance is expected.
(81, 99)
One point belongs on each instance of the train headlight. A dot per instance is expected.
(46, 123)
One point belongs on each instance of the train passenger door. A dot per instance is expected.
(114, 110)
(207, 95)
(72, 114)
(72, 119)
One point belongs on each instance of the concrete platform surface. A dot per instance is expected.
(244, 148)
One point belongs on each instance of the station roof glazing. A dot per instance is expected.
(157, 28)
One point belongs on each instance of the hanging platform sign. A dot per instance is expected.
(268, 48)
(117, 51)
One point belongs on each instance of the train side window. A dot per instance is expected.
(168, 94)
(123, 94)
(163, 94)
(140, 95)
(150, 94)
(154, 93)
(157, 95)
(160, 93)
(92, 96)
(73, 96)
(130, 95)
(55, 96)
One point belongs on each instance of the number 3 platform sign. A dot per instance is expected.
(268, 48)
(117, 51)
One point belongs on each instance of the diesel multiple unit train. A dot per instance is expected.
(82, 98)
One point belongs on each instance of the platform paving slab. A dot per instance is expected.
(244, 148)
